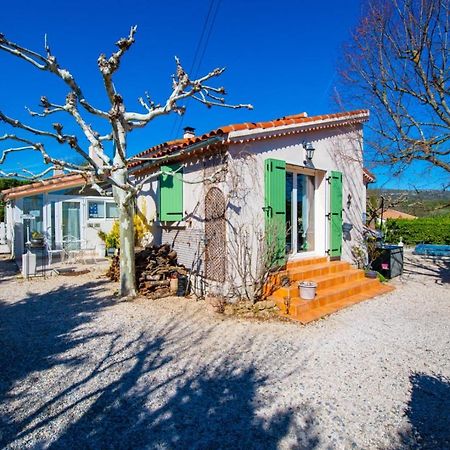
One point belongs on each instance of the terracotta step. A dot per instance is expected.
(305, 262)
(316, 270)
(306, 311)
(330, 295)
(298, 305)
(323, 282)
(317, 313)
(294, 266)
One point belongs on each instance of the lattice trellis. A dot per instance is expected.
(215, 235)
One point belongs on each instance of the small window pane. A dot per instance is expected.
(96, 210)
(112, 211)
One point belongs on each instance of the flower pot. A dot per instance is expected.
(371, 274)
(37, 242)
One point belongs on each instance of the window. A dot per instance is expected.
(33, 218)
(100, 209)
(96, 210)
(112, 211)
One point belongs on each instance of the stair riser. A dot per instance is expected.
(340, 279)
(333, 297)
(324, 284)
(305, 262)
(306, 274)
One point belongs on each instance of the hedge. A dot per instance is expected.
(427, 230)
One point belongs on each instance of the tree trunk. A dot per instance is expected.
(127, 259)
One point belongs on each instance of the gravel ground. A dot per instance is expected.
(81, 370)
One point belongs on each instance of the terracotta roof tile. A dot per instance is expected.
(368, 175)
(169, 147)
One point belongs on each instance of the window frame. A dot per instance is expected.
(98, 219)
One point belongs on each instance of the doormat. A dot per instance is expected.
(72, 272)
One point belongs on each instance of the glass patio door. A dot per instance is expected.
(71, 223)
(299, 212)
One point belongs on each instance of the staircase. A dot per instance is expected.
(339, 285)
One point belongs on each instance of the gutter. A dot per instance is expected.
(261, 133)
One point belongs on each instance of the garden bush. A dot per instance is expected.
(112, 239)
(427, 230)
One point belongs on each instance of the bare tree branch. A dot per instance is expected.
(50, 64)
(397, 66)
(182, 87)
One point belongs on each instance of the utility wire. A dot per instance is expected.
(208, 26)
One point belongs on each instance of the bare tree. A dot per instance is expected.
(397, 64)
(99, 168)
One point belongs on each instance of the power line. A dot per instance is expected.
(208, 26)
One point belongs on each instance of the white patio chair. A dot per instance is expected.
(72, 247)
(88, 251)
(54, 251)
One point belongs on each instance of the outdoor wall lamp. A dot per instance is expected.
(309, 149)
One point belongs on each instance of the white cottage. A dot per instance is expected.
(55, 208)
(293, 186)
(291, 190)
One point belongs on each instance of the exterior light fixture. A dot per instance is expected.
(309, 149)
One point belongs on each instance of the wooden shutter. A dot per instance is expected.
(171, 193)
(336, 214)
(275, 207)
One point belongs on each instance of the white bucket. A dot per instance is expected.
(101, 250)
(307, 290)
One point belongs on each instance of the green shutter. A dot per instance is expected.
(336, 214)
(171, 193)
(275, 207)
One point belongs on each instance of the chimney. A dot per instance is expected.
(189, 132)
(58, 171)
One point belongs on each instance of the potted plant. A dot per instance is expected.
(101, 247)
(37, 239)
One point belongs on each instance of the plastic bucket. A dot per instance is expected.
(307, 290)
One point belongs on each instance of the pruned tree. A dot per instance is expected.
(397, 65)
(99, 168)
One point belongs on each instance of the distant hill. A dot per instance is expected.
(415, 202)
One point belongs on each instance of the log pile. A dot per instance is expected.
(156, 266)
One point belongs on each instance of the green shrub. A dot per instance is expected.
(427, 230)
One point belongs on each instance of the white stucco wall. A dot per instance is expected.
(89, 227)
(335, 150)
(243, 186)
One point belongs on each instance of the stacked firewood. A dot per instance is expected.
(156, 271)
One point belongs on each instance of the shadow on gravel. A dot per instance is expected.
(8, 269)
(36, 332)
(439, 269)
(428, 413)
(125, 389)
(212, 411)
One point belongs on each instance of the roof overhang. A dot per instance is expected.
(43, 186)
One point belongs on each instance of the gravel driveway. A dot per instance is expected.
(80, 370)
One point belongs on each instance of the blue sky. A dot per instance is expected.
(280, 56)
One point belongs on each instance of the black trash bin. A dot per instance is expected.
(390, 261)
(183, 288)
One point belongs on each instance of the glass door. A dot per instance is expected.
(299, 212)
(71, 224)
